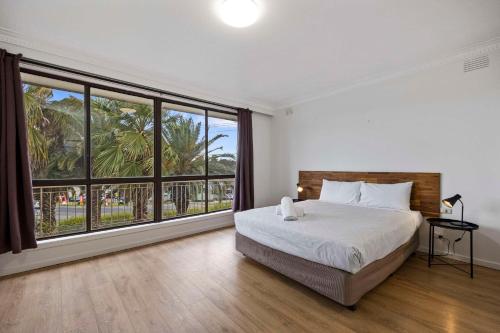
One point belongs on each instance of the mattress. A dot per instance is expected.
(334, 283)
(346, 237)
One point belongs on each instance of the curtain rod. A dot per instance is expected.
(123, 82)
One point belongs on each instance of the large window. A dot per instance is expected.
(103, 157)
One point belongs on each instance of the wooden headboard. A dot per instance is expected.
(425, 194)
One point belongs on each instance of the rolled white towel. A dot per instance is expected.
(299, 210)
(288, 209)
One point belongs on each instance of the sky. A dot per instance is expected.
(227, 127)
(57, 95)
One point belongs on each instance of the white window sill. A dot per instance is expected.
(73, 239)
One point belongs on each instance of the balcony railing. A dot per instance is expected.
(182, 198)
(220, 194)
(121, 204)
(59, 210)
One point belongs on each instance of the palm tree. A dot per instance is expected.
(185, 146)
(222, 164)
(36, 99)
(55, 129)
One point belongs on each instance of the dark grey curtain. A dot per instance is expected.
(244, 193)
(17, 218)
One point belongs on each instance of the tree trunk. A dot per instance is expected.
(95, 208)
(220, 186)
(48, 204)
(140, 198)
(180, 197)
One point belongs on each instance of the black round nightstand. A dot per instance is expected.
(454, 225)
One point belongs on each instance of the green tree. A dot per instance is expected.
(55, 130)
(222, 164)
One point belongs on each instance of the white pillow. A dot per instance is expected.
(395, 196)
(340, 192)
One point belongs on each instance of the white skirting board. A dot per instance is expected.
(460, 257)
(57, 251)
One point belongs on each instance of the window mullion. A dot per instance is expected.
(158, 189)
(88, 161)
(206, 161)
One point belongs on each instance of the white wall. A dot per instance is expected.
(437, 120)
(262, 159)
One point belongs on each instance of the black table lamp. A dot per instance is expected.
(451, 201)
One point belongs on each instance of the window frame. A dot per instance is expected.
(157, 179)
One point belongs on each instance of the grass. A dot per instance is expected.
(212, 207)
(105, 219)
(77, 224)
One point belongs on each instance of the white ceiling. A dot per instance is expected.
(297, 49)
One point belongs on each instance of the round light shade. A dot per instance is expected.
(238, 13)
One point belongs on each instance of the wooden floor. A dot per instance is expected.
(202, 284)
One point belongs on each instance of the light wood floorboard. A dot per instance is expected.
(202, 284)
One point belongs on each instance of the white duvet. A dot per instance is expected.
(347, 237)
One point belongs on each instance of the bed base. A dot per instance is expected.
(341, 286)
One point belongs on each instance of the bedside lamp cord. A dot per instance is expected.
(456, 241)
(449, 242)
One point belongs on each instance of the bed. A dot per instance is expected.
(340, 251)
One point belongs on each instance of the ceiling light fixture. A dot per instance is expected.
(238, 13)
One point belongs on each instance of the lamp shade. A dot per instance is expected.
(299, 188)
(451, 201)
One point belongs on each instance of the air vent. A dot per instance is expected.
(473, 64)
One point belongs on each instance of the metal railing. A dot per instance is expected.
(121, 204)
(59, 210)
(181, 198)
(220, 194)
